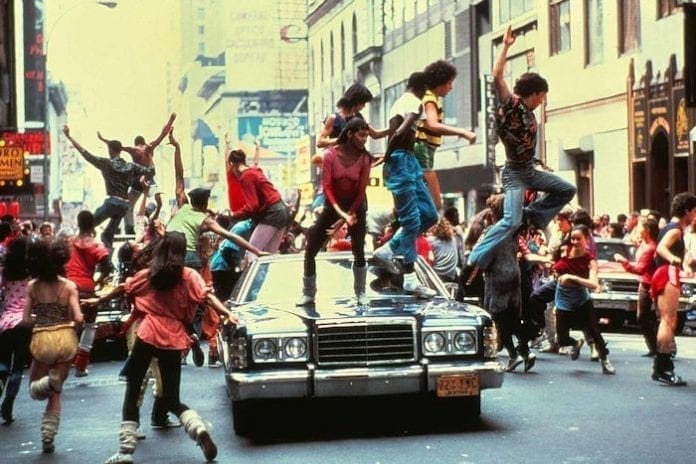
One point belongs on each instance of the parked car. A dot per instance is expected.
(617, 300)
(398, 344)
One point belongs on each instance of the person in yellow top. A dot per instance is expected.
(439, 77)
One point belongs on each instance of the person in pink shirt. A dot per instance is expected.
(345, 174)
(165, 298)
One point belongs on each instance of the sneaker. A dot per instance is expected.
(513, 363)
(120, 458)
(197, 352)
(575, 351)
(81, 373)
(607, 368)
(140, 435)
(207, 445)
(418, 289)
(668, 378)
(165, 424)
(529, 361)
(385, 258)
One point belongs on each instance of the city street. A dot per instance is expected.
(562, 412)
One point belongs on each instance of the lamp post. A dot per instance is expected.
(47, 100)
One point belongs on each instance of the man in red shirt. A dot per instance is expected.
(87, 256)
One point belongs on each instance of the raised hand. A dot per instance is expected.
(508, 37)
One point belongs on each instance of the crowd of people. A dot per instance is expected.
(529, 258)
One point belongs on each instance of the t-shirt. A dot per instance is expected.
(570, 297)
(188, 221)
(166, 313)
(517, 128)
(85, 255)
(406, 104)
(446, 257)
(341, 183)
(423, 133)
(228, 254)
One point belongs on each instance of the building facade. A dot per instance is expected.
(614, 123)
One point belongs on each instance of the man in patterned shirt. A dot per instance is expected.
(118, 175)
(517, 129)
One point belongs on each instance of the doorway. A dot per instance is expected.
(660, 194)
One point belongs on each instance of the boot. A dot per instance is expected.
(84, 349)
(40, 389)
(6, 410)
(309, 290)
(49, 429)
(196, 429)
(663, 371)
(359, 278)
(127, 438)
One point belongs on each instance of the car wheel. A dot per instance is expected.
(242, 417)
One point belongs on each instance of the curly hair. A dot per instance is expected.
(530, 83)
(15, 267)
(46, 259)
(443, 230)
(682, 203)
(438, 73)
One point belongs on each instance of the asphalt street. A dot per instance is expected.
(562, 412)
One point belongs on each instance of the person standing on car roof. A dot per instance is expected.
(346, 172)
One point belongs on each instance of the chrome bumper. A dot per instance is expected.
(349, 382)
(624, 301)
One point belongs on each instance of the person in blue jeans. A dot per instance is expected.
(517, 129)
(403, 176)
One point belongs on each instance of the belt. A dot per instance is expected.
(117, 198)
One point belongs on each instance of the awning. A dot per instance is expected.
(205, 134)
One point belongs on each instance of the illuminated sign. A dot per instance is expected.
(33, 142)
(12, 166)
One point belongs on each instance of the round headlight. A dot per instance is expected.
(265, 349)
(464, 341)
(295, 348)
(434, 342)
(605, 286)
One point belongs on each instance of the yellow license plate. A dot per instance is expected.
(458, 385)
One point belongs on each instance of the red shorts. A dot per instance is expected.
(664, 274)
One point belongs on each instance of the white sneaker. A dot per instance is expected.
(362, 299)
(412, 285)
(385, 258)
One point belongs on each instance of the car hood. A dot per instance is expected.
(286, 316)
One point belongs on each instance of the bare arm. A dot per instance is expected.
(377, 133)
(74, 305)
(218, 307)
(210, 224)
(592, 282)
(669, 239)
(227, 147)
(499, 68)
(257, 152)
(165, 130)
(323, 140)
(179, 189)
(433, 125)
(115, 293)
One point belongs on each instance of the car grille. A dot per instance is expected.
(626, 286)
(366, 342)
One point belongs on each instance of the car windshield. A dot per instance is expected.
(281, 280)
(606, 250)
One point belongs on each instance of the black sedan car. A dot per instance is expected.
(434, 348)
